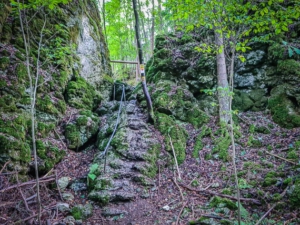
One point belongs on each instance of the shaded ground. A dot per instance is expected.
(164, 201)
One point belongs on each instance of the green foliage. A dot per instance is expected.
(34, 4)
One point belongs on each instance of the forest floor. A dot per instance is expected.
(265, 159)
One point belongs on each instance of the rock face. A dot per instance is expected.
(177, 65)
(131, 157)
(74, 76)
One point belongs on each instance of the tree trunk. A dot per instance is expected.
(141, 61)
(161, 23)
(223, 88)
(152, 28)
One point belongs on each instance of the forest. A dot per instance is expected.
(150, 112)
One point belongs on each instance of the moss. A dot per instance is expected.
(222, 202)
(269, 181)
(292, 155)
(262, 130)
(8, 104)
(101, 197)
(294, 197)
(4, 62)
(45, 104)
(195, 183)
(289, 67)
(151, 158)
(198, 144)
(49, 154)
(14, 150)
(44, 129)
(80, 130)
(168, 127)
(282, 109)
(80, 212)
(222, 144)
(102, 184)
(80, 94)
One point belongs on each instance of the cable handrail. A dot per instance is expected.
(117, 122)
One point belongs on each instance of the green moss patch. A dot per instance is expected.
(49, 154)
(198, 144)
(283, 109)
(168, 126)
(81, 94)
(179, 102)
(221, 144)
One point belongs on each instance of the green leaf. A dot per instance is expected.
(291, 53)
(93, 168)
(297, 50)
(92, 176)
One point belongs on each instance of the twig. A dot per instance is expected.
(180, 213)
(279, 157)
(61, 198)
(176, 163)
(174, 180)
(255, 201)
(4, 166)
(42, 180)
(60, 139)
(28, 218)
(24, 199)
(273, 206)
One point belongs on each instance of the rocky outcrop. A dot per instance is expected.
(74, 74)
(178, 65)
(131, 158)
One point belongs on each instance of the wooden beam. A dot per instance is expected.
(125, 62)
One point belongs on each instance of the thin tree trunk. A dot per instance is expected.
(161, 23)
(141, 61)
(152, 28)
(33, 90)
(223, 89)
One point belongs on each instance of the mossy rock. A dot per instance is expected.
(179, 102)
(242, 101)
(102, 197)
(79, 131)
(15, 151)
(168, 127)
(49, 156)
(81, 94)
(82, 212)
(283, 109)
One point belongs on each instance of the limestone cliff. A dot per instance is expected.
(74, 74)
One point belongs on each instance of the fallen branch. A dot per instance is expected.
(4, 166)
(174, 180)
(60, 195)
(28, 218)
(279, 157)
(180, 213)
(32, 182)
(273, 206)
(207, 192)
(61, 139)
